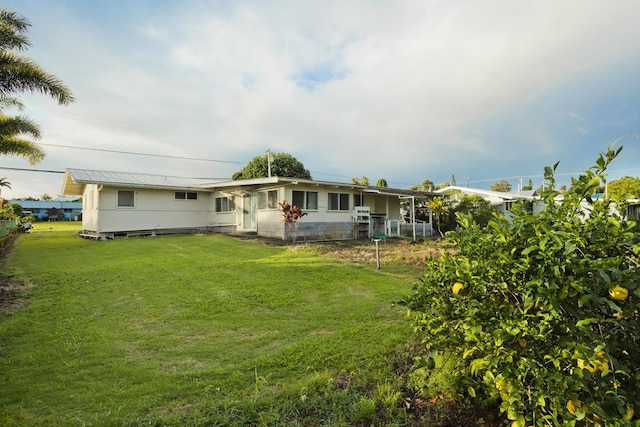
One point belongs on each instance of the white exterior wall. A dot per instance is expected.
(90, 208)
(154, 209)
(379, 204)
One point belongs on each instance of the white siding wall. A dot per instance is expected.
(379, 204)
(154, 209)
(90, 208)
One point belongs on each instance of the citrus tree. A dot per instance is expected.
(541, 309)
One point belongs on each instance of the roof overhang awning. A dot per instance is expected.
(70, 187)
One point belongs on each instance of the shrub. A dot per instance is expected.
(544, 317)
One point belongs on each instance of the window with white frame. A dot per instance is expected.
(338, 202)
(358, 200)
(268, 199)
(305, 199)
(225, 204)
(185, 195)
(126, 198)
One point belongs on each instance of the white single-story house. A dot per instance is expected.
(504, 200)
(116, 204)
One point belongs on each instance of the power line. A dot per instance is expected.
(30, 170)
(141, 154)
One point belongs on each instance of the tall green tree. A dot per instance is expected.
(282, 164)
(425, 185)
(18, 74)
(382, 183)
(360, 181)
(625, 188)
(502, 185)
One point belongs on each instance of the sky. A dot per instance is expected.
(402, 90)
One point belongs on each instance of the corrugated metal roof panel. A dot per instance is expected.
(47, 204)
(75, 179)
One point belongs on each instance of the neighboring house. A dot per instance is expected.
(633, 209)
(123, 204)
(504, 200)
(41, 209)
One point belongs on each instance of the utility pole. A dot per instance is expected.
(468, 178)
(269, 162)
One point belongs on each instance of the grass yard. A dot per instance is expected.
(55, 226)
(197, 330)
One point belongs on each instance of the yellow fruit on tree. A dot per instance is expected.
(618, 293)
(457, 287)
(572, 405)
(584, 365)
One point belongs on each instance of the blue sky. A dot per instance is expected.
(404, 90)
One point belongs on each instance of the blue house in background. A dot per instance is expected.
(51, 210)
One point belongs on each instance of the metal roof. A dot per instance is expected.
(47, 204)
(250, 184)
(488, 193)
(76, 179)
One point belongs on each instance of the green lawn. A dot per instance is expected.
(197, 330)
(46, 226)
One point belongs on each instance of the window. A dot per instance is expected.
(126, 198)
(185, 195)
(358, 200)
(338, 202)
(268, 199)
(224, 204)
(305, 199)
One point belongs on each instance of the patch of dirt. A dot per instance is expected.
(10, 300)
(12, 291)
(363, 251)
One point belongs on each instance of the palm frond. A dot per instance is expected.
(5, 183)
(12, 126)
(22, 148)
(13, 28)
(20, 74)
(10, 102)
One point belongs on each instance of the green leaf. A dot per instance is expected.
(541, 401)
(586, 322)
(472, 392)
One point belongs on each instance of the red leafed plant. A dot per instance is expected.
(290, 215)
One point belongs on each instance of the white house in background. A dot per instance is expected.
(504, 200)
(116, 204)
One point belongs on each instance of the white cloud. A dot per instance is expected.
(404, 89)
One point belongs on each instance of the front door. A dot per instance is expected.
(249, 212)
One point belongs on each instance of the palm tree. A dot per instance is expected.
(21, 74)
(11, 143)
(4, 183)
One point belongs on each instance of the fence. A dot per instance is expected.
(6, 227)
